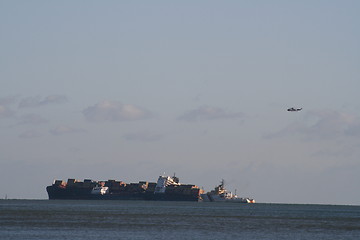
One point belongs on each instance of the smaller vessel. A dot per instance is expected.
(220, 194)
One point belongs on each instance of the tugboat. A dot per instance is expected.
(220, 194)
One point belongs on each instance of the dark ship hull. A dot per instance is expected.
(166, 189)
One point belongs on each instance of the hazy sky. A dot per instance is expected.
(128, 90)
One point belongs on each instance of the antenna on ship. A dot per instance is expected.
(176, 179)
(222, 182)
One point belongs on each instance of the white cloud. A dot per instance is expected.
(29, 134)
(115, 111)
(32, 119)
(324, 124)
(8, 100)
(39, 101)
(209, 113)
(5, 112)
(330, 123)
(61, 130)
(353, 130)
(143, 137)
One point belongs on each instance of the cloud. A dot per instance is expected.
(143, 137)
(330, 123)
(353, 130)
(8, 100)
(115, 111)
(61, 130)
(37, 101)
(208, 113)
(29, 134)
(32, 119)
(324, 124)
(5, 112)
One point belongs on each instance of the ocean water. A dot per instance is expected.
(80, 220)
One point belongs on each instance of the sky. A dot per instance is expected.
(130, 90)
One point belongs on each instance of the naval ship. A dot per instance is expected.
(220, 194)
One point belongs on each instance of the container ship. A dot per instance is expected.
(165, 189)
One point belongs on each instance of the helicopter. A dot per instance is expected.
(294, 109)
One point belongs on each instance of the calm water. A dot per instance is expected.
(44, 219)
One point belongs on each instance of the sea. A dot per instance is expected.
(80, 220)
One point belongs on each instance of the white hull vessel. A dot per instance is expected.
(220, 194)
